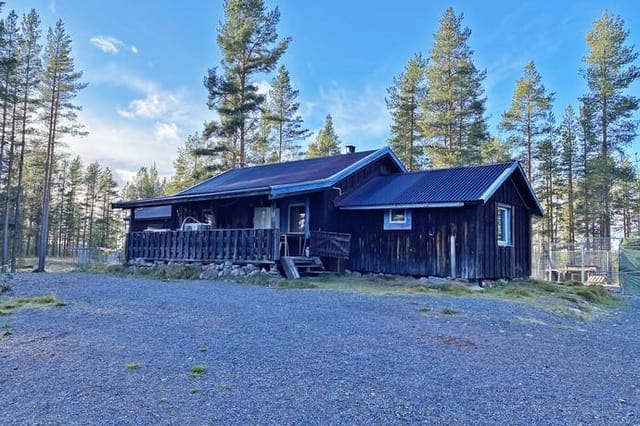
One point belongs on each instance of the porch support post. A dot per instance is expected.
(276, 232)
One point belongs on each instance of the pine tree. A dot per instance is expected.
(283, 115)
(145, 184)
(107, 192)
(60, 84)
(495, 150)
(454, 106)
(609, 71)
(189, 167)
(327, 142)
(249, 44)
(526, 119)
(29, 69)
(404, 102)
(548, 181)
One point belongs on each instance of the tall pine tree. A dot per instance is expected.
(404, 102)
(249, 44)
(283, 115)
(59, 86)
(526, 120)
(454, 106)
(326, 143)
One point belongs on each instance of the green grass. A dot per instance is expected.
(193, 390)
(197, 371)
(425, 309)
(449, 311)
(5, 330)
(203, 349)
(131, 366)
(8, 306)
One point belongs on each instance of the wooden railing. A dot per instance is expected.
(330, 244)
(251, 245)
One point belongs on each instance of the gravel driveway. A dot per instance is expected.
(307, 356)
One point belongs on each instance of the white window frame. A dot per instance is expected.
(507, 239)
(404, 216)
(306, 219)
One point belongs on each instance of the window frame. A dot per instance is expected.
(304, 210)
(507, 240)
(404, 216)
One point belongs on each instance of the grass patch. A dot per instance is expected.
(5, 330)
(8, 306)
(425, 309)
(193, 390)
(294, 284)
(203, 349)
(197, 371)
(132, 366)
(449, 311)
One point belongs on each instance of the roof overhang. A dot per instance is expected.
(406, 206)
(506, 174)
(273, 192)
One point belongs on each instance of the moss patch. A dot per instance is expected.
(8, 306)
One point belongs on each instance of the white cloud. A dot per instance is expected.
(111, 45)
(155, 105)
(166, 131)
(360, 118)
(263, 87)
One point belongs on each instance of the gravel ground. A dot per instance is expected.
(307, 356)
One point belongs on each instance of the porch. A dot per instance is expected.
(205, 245)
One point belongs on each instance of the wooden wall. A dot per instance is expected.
(426, 248)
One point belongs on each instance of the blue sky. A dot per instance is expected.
(145, 61)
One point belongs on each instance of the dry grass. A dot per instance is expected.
(8, 306)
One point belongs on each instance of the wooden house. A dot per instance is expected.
(362, 208)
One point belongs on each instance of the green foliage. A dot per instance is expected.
(132, 366)
(145, 184)
(609, 71)
(194, 390)
(326, 143)
(283, 116)
(526, 121)
(190, 168)
(405, 101)
(249, 44)
(5, 330)
(454, 106)
(197, 370)
(449, 311)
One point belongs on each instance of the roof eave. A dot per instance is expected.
(176, 199)
(441, 205)
(489, 192)
(278, 191)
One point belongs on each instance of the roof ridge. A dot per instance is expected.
(472, 166)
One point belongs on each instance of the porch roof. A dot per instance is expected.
(272, 180)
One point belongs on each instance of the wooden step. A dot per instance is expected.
(294, 266)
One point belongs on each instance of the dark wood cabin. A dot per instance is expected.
(362, 208)
(467, 222)
(254, 214)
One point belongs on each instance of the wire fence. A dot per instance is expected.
(595, 262)
(92, 255)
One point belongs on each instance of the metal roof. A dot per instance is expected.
(274, 180)
(438, 188)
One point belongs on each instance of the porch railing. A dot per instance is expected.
(251, 245)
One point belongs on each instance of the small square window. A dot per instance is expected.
(503, 225)
(398, 216)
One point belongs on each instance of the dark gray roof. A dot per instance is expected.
(156, 212)
(260, 177)
(273, 180)
(440, 186)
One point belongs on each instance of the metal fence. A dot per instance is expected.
(85, 256)
(595, 262)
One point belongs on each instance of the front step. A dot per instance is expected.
(295, 266)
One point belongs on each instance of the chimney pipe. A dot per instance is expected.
(351, 149)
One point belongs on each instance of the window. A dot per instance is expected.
(504, 226)
(398, 216)
(262, 218)
(397, 219)
(297, 219)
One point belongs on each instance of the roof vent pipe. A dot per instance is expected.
(351, 149)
